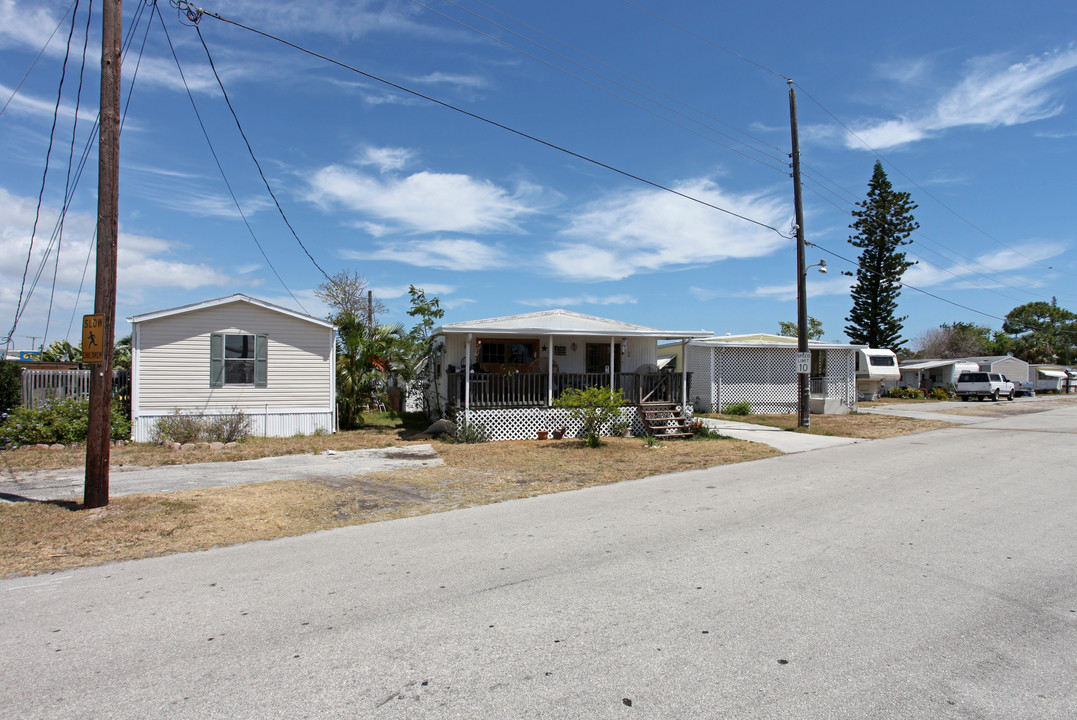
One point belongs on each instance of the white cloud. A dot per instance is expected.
(441, 253)
(35, 107)
(573, 300)
(473, 82)
(386, 158)
(142, 261)
(392, 292)
(425, 201)
(650, 230)
(991, 94)
(816, 288)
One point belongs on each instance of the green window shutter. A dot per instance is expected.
(261, 360)
(216, 360)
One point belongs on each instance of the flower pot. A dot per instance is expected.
(543, 434)
(558, 434)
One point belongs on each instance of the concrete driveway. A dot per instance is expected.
(61, 484)
(927, 576)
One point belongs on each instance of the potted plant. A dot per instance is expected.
(543, 434)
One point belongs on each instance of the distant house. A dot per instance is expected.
(933, 373)
(505, 373)
(234, 353)
(761, 370)
(1015, 369)
(1052, 378)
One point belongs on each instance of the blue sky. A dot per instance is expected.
(972, 111)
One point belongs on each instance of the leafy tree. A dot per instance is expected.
(365, 359)
(594, 407)
(883, 225)
(424, 349)
(62, 351)
(346, 294)
(790, 329)
(955, 340)
(1043, 332)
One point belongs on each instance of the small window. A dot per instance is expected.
(238, 359)
(882, 360)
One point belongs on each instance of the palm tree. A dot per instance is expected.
(366, 357)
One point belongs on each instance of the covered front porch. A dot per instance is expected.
(510, 371)
(540, 389)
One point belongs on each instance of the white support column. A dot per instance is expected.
(613, 364)
(549, 371)
(684, 374)
(467, 381)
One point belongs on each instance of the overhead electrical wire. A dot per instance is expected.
(38, 57)
(652, 88)
(250, 150)
(197, 13)
(220, 168)
(68, 187)
(607, 90)
(19, 308)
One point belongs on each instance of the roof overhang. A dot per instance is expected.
(563, 323)
(1051, 373)
(218, 302)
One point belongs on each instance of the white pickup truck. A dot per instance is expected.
(984, 385)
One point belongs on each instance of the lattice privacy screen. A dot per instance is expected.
(524, 423)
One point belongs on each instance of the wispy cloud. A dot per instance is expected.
(647, 230)
(574, 300)
(992, 93)
(441, 253)
(424, 202)
(471, 82)
(386, 159)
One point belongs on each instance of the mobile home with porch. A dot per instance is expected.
(505, 373)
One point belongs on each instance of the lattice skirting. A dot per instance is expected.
(525, 423)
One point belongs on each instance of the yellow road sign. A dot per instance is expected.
(93, 340)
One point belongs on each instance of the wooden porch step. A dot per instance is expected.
(664, 420)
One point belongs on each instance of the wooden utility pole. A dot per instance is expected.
(803, 374)
(108, 174)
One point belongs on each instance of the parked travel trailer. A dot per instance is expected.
(873, 368)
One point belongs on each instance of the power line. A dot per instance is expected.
(38, 57)
(68, 188)
(19, 308)
(220, 168)
(196, 13)
(919, 186)
(606, 90)
(257, 164)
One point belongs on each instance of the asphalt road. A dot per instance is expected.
(928, 576)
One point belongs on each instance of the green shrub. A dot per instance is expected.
(227, 427)
(740, 408)
(61, 420)
(594, 407)
(10, 385)
(188, 428)
(470, 433)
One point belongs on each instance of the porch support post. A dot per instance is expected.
(549, 372)
(467, 381)
(684, 374)
(613, 364)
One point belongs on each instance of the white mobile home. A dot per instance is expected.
(234, 353)
(505, 373)
(934, 373)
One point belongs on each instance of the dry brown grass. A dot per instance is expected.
(44, 536)
(861, 425)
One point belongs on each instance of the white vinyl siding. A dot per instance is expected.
(174, 360)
